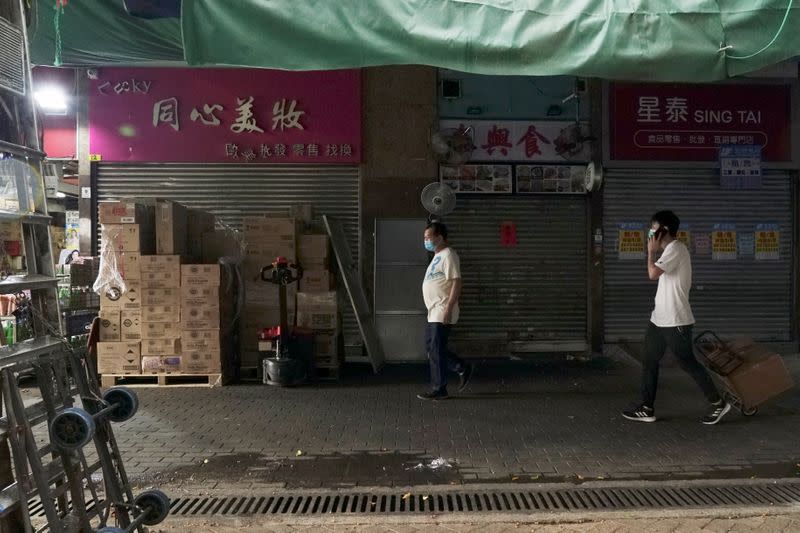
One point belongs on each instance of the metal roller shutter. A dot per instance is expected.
(530, 297)
(742, 297)
(232, 192)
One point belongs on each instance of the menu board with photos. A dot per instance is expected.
(478, 179)
(550, 179)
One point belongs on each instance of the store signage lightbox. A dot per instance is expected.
(649, 122)
(216, 115)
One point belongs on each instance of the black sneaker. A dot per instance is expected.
(640, 414)
(717, 412)
(465, 376)
(433, 395)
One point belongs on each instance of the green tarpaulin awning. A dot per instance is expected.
(666, 40)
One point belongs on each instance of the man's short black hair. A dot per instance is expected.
(667, 219)
(438, 229)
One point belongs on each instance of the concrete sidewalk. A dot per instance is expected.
(519, 421)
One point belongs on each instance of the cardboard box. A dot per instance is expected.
(161, 346)
(118, 358)
(303, 213)
(128, 238)
(757, 380)
(200, 317)
(161, 263)
(314, 252)
(199, 340)
(130, 300)
(130, 265)
(151, 364)
(201, 363)
(161, 313)
(123, 213)
(109, 325)
(200, 222)
(200, 276)
(316, 281)
(156, 364)
(11, 231)
(192, 296)
(217, 244)
(161, 280)
(280, 228)
(171, 228)
(326, 344)
(317, 311)
(161, 297)
(130, 326)
(161, 330)
(266, 252)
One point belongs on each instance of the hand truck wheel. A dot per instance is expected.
(154, 504)
(749, 411)
(125, 401)
(72, 429)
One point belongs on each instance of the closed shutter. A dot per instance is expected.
(744, 297)
(232, 192)
(528, 297)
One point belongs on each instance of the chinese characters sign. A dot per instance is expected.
(767, 242)
(520, 141)
(690, 122)
(631, 242)
(740, 166)
(723, 242)
(226, 115)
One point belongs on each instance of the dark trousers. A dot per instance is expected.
(440, 357)
(679, 341)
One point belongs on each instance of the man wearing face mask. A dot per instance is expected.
(441, 290)
(671, 322)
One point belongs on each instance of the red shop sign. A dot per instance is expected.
(689, 122)
(219, 115)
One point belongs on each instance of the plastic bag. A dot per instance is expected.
(109, 282)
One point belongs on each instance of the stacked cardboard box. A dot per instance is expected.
(203, 304)
(130, 226)
(317, 305)
(267, 238)
(179, 229)
(161, 313)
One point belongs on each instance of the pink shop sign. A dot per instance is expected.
(217, 115)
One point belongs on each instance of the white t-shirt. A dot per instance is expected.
(672, 298)
(444, 269)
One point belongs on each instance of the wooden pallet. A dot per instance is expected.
(159, 380)
(327, 361)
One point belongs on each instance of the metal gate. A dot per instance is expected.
(232, 192)
(530, 297)
(742, 297)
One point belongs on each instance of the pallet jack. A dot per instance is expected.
(289, 360)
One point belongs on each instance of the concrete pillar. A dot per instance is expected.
(399, 115)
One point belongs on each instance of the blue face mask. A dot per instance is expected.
(430, 246)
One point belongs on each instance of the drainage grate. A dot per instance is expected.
(506, 501)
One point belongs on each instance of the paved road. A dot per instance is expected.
(519, 421)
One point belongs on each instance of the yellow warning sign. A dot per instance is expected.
(723, 245)
(684, 237)
(631, 242)
(768, 242)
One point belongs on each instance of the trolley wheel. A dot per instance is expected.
(155, 504)
(126, 400)
(749, 411)
(72, 429)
